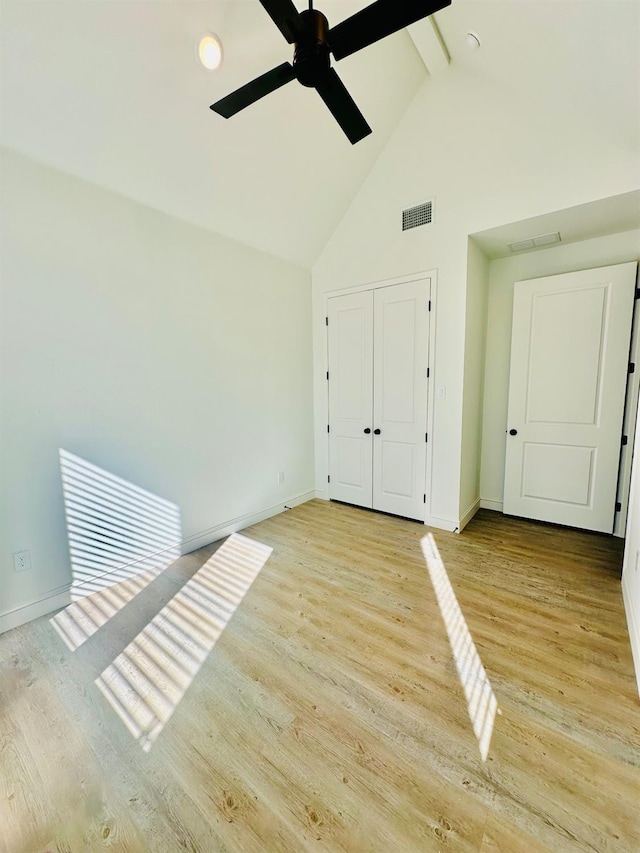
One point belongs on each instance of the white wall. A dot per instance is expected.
(163, 353)
(631, 564)
(474, 361)
(503, 273)
(488, 162)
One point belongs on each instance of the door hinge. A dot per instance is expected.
(618, 506)
(326, 321)
(637, 292)
(632, 367)
(424, 499)
(428, 372)
(625, 440)
(329, 478)
(429, 305)
(328, 430)
(327, 375)
(426, 436)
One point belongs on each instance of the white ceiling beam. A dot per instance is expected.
(428, 41)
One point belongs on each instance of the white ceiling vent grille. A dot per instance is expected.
(421, 214)
(535, 242)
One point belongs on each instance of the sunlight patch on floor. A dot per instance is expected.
(145, 683)
(481, 701)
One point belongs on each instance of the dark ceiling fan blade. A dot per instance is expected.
(378, 21)
(255, 90)
(335, 95)
(284, 15)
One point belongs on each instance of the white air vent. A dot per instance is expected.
(421, 214)
(535, 242)
(521, 245)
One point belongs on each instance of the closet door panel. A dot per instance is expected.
(401, 354)
(350, 341)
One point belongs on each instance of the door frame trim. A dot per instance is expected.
(432, 275)
(629, 421)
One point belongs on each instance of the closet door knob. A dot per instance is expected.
(513, 432)
(367, 431)
(376, 432)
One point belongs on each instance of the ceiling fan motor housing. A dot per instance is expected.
(311, 59)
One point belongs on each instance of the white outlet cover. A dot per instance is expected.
(21, 561)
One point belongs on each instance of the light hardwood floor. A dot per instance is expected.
(329, 714)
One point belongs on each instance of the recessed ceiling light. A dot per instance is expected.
(472, 40)
(210, 52)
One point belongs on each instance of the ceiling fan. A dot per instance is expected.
(314, 43)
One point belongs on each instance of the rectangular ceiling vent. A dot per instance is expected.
(534, 242)
(421, 214)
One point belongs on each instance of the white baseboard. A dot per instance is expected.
(219, 531)
(60, 597)
(55, 599)
(633, 624)
(322, 494)
(468, 515)
(496, 506)
(441, 523)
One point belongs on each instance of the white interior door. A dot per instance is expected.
(350, 341)
(569, 356)
(401, 358)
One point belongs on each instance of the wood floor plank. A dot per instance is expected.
(584, 800)
(502, 837)
(62, 791)
(329, 715)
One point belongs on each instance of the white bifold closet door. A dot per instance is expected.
(378, 359)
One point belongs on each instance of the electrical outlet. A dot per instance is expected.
(21, 561)
(281, 478)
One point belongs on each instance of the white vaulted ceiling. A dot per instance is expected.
(111, 91)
